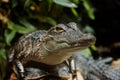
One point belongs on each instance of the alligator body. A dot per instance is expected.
(55, 46)
(96, 70)
(50, 47)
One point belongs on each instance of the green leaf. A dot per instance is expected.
(9, 35)
(27, 3)
(14, 3)
(51, 21)
(27, 24)
(2, 54)
(3, 61)
(48, 20)
(2, 45)
(86, 52)
(94, 47)
(65, 3)
(19, 28)
(50, 2)
(75, 1)
(88, 29)
(74, 12)
(89, 9)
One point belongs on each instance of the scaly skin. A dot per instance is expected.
(93, 70)
(50, 47)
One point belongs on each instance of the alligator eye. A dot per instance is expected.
(59, 29)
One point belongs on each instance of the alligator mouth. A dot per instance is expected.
(85, 41)
(81, 43)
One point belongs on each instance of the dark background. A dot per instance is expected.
(107, 26)
(107, 21)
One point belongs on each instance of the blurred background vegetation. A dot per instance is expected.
(99, 17)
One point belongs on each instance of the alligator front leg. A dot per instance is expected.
(19, 70)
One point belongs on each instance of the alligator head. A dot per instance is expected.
(62, 41)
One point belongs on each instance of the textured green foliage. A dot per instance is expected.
(9, 36)
(86, 52)
(94, 47)
(88, 8)
(65, 3)
(2, 63)
(18, 17)
(74, 12)
(26, 28)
